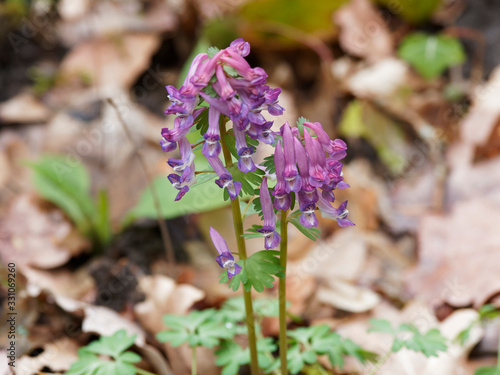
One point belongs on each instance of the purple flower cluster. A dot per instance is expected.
(230, 87)
(310, 167)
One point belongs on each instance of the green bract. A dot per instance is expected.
(258, 271)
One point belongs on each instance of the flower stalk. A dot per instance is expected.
(282, 293)
(240, 241)
(193, 362)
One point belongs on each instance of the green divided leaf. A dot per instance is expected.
(258, 271)
(429, 344)
(90, 360)
(212, 51)
(247, 208)
(311, 233)
(248, 180)
(198, 328)
(431, 55)
(300, 124)
(381, 325)
(231, 356)
(308, 343)
(201, 124)
(268, 163)
(233, 309)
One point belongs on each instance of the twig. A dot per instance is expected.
(167, 241)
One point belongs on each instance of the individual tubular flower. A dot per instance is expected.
(339, 214)
(241, 47)
(272, 238)
(307, 206)
(183, 182)
(265, 134)
(282, 200)
(321, 135)
(245, 162)
(184, 100)
(318, 176)
(271, 97)
(182, 126)
(225, 258)
(205, 71)
(303, 164)
(225, 180)
(338, 149)
(290, 173)
(226, 91)
(334, 168)
(187, 156)
(212, 147)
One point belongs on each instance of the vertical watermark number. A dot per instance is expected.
(11, 314)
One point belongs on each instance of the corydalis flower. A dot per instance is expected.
(231, 87)
(290, 173)
(339, 214)
(225, 180)
(316, 177)
(225, 258)
(282, 200)
(272, 238)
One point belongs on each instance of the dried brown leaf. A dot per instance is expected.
(34, 236)
(459, 255)
(58, 356)
(111, 63)
(363, 32)
(25, 109)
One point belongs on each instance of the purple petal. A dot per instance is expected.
(242, 47)
(236, 270)
(323, 137)
(272, 240)
(308, 219)
(181, 193)
(267, 205)
(233, 189)
(344, 223)
(219, 243)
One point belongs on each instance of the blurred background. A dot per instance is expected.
(87, 214)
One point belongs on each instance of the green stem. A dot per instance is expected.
(140, 371)
(248, 205)
(380, 363)
(282, 293)
(498, 357)
(193, 361)
(238, 230)
(294, 215)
